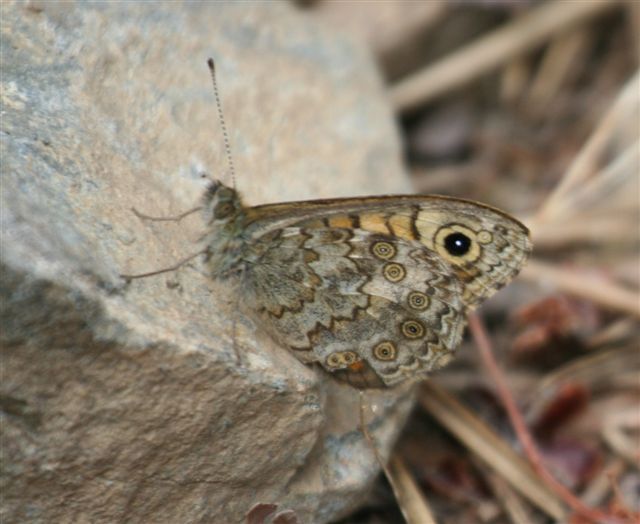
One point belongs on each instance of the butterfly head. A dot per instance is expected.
(225, 217)
(222, 205)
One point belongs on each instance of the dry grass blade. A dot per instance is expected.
(592, 228)
(582, 284)
(563, 57)
(600, 486)
(617, 427)
(414, 506)
(609, 196)
(621, 118)
(614, 333)
(490, 448)
(491, 51)
(632, 8)
(514, 80)
(596, 205)
(509, 499)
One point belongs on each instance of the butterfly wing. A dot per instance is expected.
(498, 244)
(375, 290)
(373, 309)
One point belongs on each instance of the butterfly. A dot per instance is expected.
(374, 289)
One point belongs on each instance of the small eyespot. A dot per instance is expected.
(418, 300)
(412, 329)
(349, 357)
(383, 250)
(385, 351)
(484, 237)
(394, 272)
(334, 360)
(341, 359)
(223, 210)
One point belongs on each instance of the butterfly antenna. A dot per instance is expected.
(225, 136)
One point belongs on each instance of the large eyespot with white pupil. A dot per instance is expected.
(458, 244)
(385, 351)
(383, 250)
(223, 210)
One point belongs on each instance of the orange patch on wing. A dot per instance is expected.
(374, 222)
(340, 221)
(357, 366)
(402, 227)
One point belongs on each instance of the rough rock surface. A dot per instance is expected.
(133, 403)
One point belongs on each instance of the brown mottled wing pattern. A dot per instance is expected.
(378, 320)
(368, 288)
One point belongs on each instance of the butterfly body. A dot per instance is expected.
(373, 289)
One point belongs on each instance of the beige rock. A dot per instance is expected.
(134, 403)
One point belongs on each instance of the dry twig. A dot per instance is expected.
(491, 51)
(624, 112)
(490, 448)
(525, 438)
(581, 284)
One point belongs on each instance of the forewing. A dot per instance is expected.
(499, 246)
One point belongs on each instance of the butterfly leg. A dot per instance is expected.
(166, 269)
(234, 324)
(365, 431)
(388, 473)
(234, 339)
(175, 218)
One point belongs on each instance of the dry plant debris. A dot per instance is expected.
(533, 107)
